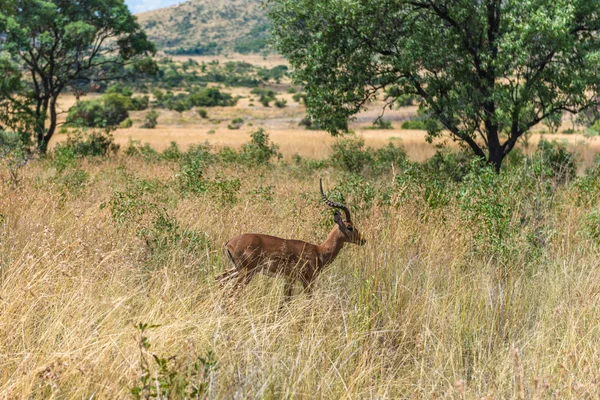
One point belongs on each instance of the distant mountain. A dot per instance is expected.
(199, 27)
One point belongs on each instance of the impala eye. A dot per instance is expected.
(350, 228)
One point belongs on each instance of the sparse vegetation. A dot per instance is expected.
(150, 120)
(160, 230)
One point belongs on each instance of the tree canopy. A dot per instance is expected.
(47, 46)
(487, 70)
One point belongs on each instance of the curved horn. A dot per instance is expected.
(333, 204)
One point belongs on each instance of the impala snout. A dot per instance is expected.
(359, 240)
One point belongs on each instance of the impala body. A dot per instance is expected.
(295, 259)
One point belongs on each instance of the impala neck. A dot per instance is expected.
(330, 248)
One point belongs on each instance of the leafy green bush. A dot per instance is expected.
(128, 123)
(108, 110)
(349, 154)
(166, 379)
(150, 120)
(552, 159)
(380, 123)
(236, 123)
(202, 113)
(136, 149)
(414, 124)
(447, 165)
(14, 153)
(308, 123)
(299, 98)
(266, 96)
(171, 153)
(92, 143)
(259, 150)
(280, 103)
(140, 103)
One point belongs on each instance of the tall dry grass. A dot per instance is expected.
(419, 312)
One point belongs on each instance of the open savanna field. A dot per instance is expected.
(471, 284)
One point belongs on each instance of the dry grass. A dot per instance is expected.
(188, 128)
(413, 314)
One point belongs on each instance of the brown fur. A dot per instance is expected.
(295, 259)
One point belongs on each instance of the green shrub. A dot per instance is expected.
(119, 88)
(259, 150)
(109, 110)
(150, 120)
(128, 123)
(171, 153)
(349, 154)
(202, 113)
(448, 165)
(14, 153)
(380, 123)
(280, 103)
(136, 149)
(92, 143)
(140, 103)
(308, 123)
(236, 123)
(389, 156)
(299, 98)
(552, 159)
(414, 124)
(164, 378)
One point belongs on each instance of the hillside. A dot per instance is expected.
(201, 27)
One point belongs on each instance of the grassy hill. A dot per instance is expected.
(199, 27)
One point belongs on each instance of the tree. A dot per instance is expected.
(48, 46)
(487, 70)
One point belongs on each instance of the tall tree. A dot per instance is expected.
(48, 46)
(487, 70)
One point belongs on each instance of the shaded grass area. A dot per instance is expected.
(470, 285)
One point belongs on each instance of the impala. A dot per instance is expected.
(295, 259)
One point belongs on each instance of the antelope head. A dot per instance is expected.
(348, 231)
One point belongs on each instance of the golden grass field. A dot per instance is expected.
(419, 312)
(188, 128)
(413, 314)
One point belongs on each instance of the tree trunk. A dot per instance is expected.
(52, 127)
(496, 156)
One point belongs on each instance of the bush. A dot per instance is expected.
(202, 113)
(308, 123)
(266, 96)
(552, 159)
(349, 154)
(448, 166)
(380, 123)
(259, 150)
(136, 149)
(280, 103)
(119, 88)
(128, 123)
(14, 153)
(171, 153)
(414, 124)
(140, 103)
(236, 123)
(299, 98)
(150, 120)
(109, 110)
(94, 143)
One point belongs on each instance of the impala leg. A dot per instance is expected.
(289, 287)
(287, 293)
(308, 287)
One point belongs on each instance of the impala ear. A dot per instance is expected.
(337, 218)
